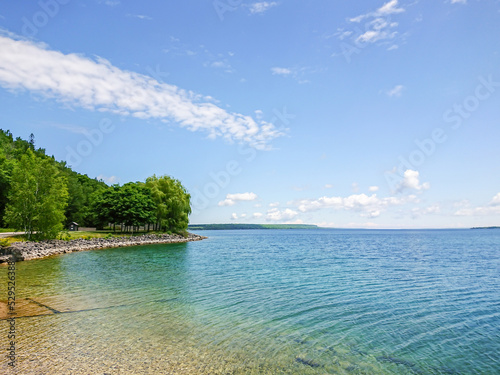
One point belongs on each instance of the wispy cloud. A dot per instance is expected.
(430, 210)
(220, 64)
(459, 1)
(261, 7)
(388, 8)
(396, 91)
(378, 29)
(297, 74)
(110, 3)
(492, 208)
(140, 16)
(366, 205)
(281, 71)
(231, 199)
(98, 85)
(70, 128)
(378, 26)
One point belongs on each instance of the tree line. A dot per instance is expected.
(41, 196)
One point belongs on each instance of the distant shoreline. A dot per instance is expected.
(250, 226)
(36, 250)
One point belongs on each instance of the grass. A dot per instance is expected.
(67, 235)
(7, 241)
(3, 230)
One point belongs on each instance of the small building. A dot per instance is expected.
(73, 227)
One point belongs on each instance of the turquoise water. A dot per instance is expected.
(270, 302)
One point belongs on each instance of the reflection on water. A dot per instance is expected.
(267, 302)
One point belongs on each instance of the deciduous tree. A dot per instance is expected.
(37, 198)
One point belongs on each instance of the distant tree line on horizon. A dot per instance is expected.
(41, 196)
(233, 226)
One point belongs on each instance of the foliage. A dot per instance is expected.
(173, 203)
(34, 188)
(37, 197)
(80, 189)
(64, 236)
(130, 205)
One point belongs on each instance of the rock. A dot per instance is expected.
(33, 250)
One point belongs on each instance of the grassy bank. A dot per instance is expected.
(68, 236)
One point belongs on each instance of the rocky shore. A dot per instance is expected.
(35, 250)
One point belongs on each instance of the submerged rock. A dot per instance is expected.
(307, 362)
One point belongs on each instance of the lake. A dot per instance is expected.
(319, 301)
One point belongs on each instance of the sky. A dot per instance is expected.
(366, 114)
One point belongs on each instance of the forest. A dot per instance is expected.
(41, 196)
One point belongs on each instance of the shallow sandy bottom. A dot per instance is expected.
(73, 338)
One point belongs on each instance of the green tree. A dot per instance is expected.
(135, 205)
(37, 198)
(104, 206)
(130, 205)
(173, 203)
(80, 189)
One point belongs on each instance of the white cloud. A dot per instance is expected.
(262, 6)
(219, 64)
(98, 85)
(71, 128)
(276, 215)
(479, 211)
(328, 186)
(297, 221)
(111, 3)
(355, 187)
(411, 180)
(109, 180)
(396, 91)
(459, 1)
(274, 204)
(281, 71)
(341, 34)
(373, 188)
(299, 74)
(234, 216)
(371, 214)
(430, 210)
(231, 199)
(257, 215)
(493, 208)
(388, 8)
(378, 28)
(140, 16)
(368, 206)
(496, 200)
(325, 224)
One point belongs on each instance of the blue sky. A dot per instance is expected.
(367, 114)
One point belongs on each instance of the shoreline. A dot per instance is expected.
(30, 250)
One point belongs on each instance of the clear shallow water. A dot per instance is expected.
(251, 302)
